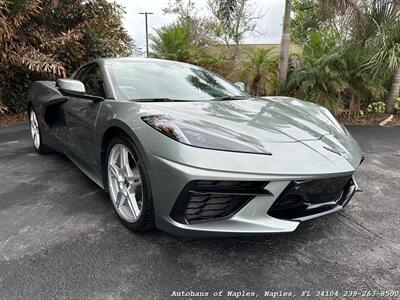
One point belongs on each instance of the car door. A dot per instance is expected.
(80, 118)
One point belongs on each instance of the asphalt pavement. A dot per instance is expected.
(60, 238)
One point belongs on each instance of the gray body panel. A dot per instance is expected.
(297, 133)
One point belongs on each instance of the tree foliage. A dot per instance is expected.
(383, 41)
(232, 20)
(198, 27)
(366, 34)
(307, 19)
(172, 42)
(316, 76)
(349, 58)
(259, 70)
(327, 74)
(45, 39)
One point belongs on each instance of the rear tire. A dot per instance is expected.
(36, 132)
(128, 185)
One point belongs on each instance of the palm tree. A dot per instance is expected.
(284, 49)
(318, 78)
(374, 24)
(172, 42)
(327, 7)
(329, 74)
(385, 44)
(358, 82)
(260, 68)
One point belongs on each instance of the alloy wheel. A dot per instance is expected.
(125, 183)
(35, 129)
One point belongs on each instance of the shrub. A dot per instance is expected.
(376, 107)
(3, 109)
(397, 105)
(46, 39)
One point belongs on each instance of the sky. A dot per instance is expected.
(269, 27)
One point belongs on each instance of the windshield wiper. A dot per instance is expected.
(162, 99)
(154, 100)
(231, 98)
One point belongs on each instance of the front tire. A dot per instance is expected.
(128, 185)
(36, 134)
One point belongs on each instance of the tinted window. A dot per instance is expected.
(92, 79)
(158, 79)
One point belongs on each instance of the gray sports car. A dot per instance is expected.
(181, 149)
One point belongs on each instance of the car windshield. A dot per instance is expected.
(169, 81)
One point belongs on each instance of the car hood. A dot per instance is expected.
(290, 129)
(270, 119)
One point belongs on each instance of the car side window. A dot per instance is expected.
(92, 79)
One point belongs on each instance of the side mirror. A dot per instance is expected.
(75, 88)
(71, 86)
(240, 86)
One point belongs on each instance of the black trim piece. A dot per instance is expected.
(81, 95)
(238, 193)
(305, 198)
(178, 210)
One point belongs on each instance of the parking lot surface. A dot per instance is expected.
(60, 238)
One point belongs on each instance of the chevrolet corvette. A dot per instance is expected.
(179, 148)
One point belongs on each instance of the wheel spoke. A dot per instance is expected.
(120, 199)
(133, 206)
(114, 170)
(36, 138)
(34, 120)
(123, 157)
(125, 167)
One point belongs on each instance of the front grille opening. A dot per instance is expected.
(305, 198)
(207, 207)
(206, 200)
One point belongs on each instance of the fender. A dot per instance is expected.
(101, 135)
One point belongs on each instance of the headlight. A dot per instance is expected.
(209, 136)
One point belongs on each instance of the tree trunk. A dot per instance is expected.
(284, 51)
(254, 85)
(355, 105)
(338, 104)
(394, 92)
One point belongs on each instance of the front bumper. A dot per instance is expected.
(255, 216)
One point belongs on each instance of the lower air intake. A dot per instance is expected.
(211, 200)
